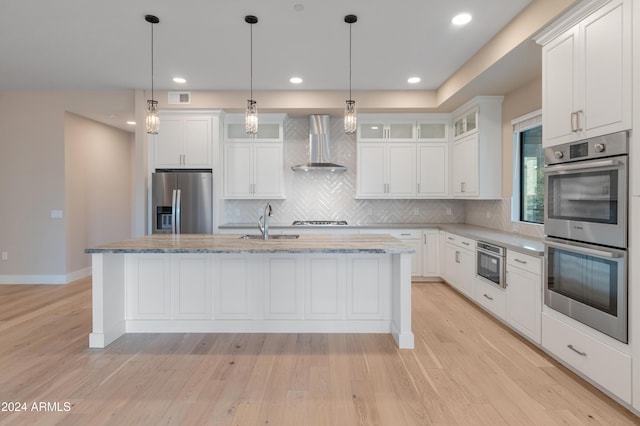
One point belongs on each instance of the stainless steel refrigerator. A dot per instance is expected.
(182, 202)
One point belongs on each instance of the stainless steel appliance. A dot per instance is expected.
(182, 201)
(319, 222)
(586, 202)
(490, 265)
(319, 146)
(589, 284)
(586, 190)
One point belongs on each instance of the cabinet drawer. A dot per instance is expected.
(523, 261)
(492, 298)
(606, 366)
(404, 234)
(462, 242)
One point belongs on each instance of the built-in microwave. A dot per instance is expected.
(586, 186)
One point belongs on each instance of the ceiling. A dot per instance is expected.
(106, 45)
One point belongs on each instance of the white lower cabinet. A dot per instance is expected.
(148, 286)
(491, 297)
(325, 286)
(602, 363)
(430, 253)
(233, 288)
(283, 286)
(524, 294)
(191, 286)
(368, 289)
(459, 264)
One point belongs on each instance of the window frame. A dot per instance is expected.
(520, 125)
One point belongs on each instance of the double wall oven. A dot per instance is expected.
(586, 204)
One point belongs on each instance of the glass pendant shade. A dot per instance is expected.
(251, 117)
(350, 118)
(152, 120)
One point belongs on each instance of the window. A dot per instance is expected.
(528, 162)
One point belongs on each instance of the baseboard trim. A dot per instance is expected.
(45, 279)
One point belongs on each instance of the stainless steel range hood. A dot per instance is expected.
(319, 142)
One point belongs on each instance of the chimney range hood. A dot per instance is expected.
(319, 142)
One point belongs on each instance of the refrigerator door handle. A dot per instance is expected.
(178, 214)
(173, 212)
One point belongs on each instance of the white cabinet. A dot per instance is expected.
(386, 129)
(604, 363)
(234, 295)
(411, 237)
(491, 297)
(433, 170)
(433, 130)
(325, 286)
(253, 170)
(586, 76)
(386, 170)
(235, 131)
(368, 289)
(184, 141)
(166, 287)
(283, 286)
(524, 294)
(430, 253)
(459, 264)
(476, 156)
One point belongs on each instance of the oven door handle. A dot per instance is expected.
(583, 166)
(613, 254)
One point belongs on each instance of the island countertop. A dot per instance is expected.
(233, 243)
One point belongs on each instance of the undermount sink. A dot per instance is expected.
(271, 237)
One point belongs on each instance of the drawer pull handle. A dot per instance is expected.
(524, 262)
(465, 243)
(405, 235)
(449, 238)
(488, 297)
(577, 351)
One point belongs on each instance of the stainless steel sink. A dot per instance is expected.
(271, 237)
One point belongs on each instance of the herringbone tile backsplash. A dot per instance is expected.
(321, 195)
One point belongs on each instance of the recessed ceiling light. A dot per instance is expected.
(414, 80)
(131, 123)
(295, 80)
(461, 19)
(179, 80)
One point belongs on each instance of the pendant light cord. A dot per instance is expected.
(350, 61)
(152, 98)
(251, 62)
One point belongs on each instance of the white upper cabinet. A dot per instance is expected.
(433, 170)
(254, 166)
(476, 154)
(386, 170)
(586, 75)
(385, 129)
(433, 130)
(184, 141)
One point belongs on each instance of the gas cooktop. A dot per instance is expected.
(319, 222)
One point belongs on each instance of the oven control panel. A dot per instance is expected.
(602, 146)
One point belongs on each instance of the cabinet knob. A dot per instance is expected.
(599, 147)
(558, 154)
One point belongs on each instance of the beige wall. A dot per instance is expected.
(98, 187)
(521, 101)
(34, 182)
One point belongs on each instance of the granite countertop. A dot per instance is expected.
(517, 242)
(232, 243)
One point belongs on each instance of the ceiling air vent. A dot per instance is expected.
(179, 98)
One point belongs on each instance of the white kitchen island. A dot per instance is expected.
(317, 283)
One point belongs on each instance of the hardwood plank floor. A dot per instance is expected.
(466, 369)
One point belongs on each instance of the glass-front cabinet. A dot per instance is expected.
(383, 130)
(465, 124)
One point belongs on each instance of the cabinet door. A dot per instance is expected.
(372, 131)
(430, 251)
(524, 302)
(268, 171)
(401, 130)
(325, 286)
(433, 170)
(401, 181)
(451, 265)
(368, 292)
(558, 86)
(233, 287)
(238, 170)
(371, 170)
(416, 258)
(148, 286)
(606, 88)
(465, 167)
(433, 131)
(168, 143)
(197, 142)
(191, 286)
(283, 288)
(467, 276)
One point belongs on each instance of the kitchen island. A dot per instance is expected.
(210, 283)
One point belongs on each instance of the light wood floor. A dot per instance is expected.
(467, 369)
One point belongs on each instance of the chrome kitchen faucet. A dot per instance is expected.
(263, 221)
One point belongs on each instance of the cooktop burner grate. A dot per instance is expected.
(319, 222)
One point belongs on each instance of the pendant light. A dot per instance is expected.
(251, 115)
(350, 119)
(152, 120)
